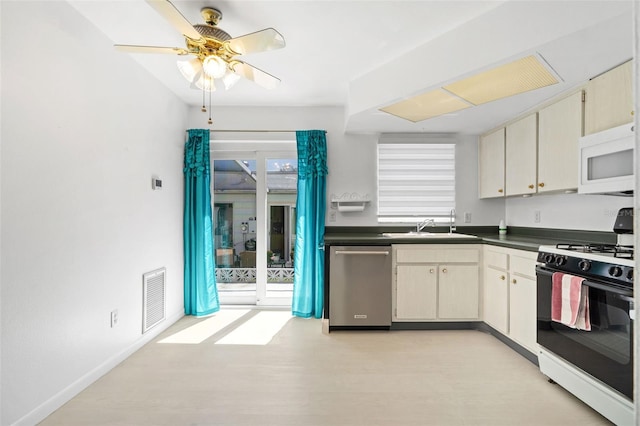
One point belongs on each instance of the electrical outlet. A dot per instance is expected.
(467, 217)
(114, 318)
(536, 216)
(332, 216)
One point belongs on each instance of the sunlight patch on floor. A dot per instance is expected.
(204, 329)
(258, 330)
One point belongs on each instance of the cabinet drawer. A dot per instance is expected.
(523, 266)
(437, 255)
(496, 259)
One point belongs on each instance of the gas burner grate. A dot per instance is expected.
(623, 252)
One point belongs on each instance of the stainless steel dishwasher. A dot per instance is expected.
(360, 286)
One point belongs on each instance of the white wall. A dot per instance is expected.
(83, 130)
(352, 158)
(566, 211)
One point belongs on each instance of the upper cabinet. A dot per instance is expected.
(521, 145)
(559, 129)
(540, 149)
(539, 153)
(491, 165)
(609, 99)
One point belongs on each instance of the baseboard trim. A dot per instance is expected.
(533, 358)
(65, 395)
(436, 325)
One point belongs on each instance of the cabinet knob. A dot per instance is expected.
(541, 184)
(531, 186)
(514, 281)
(502, 277)
(444, 270)
(500, 190)
(431, 271)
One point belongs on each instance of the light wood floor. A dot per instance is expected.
(304, 377)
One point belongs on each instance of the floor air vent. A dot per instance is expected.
(153, 298)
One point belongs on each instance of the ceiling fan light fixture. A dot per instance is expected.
(191, 69)
(214, 66)
(205, 83)
(230, 79)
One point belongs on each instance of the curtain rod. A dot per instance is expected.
(249, 131)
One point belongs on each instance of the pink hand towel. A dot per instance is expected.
(570, 301)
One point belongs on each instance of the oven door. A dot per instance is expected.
(605, 352)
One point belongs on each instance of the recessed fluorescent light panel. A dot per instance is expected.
(516, 77)
(426, 105)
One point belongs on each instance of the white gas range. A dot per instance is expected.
(593, 359)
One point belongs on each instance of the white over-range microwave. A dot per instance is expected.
(606, 162)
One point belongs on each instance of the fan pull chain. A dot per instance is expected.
(204, 109)
(210, 121)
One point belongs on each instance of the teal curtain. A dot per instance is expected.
(308, 274)
(200, 292)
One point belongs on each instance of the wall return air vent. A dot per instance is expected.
(153, 298)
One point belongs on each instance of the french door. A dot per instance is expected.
(254, 196)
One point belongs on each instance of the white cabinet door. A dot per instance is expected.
(521, 144)
(416, 292)
(522, 311)
(458, 292)
(496, 299)
(491, 165)
(609, 99)
(559, 129)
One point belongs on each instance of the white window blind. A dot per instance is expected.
(416, 181)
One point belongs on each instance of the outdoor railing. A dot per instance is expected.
(248, 275)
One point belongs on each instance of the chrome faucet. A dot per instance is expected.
(427, 222)
(452, 221)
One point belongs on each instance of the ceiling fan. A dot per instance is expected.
(214, 49)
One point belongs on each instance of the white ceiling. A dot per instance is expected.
(364, 55)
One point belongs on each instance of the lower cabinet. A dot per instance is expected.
(436, 282)
(509, 295)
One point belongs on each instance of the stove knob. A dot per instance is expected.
(630, 275)
(549, 258)
(584, 265)
(561, 260)
(615, 271)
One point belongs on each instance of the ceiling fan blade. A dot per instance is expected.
(254, 74)
(175, 18)
(260, 41)
(150, 49)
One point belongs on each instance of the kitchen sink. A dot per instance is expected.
(427, 235)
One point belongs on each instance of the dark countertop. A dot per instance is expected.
(529, 239)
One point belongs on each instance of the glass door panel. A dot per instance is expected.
(235, 233)
(254, 195)
(281, 183)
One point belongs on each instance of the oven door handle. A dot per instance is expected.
(626, 295)
(621, 293)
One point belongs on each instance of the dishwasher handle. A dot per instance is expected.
(361, 252)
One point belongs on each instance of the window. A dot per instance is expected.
(416, 179)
